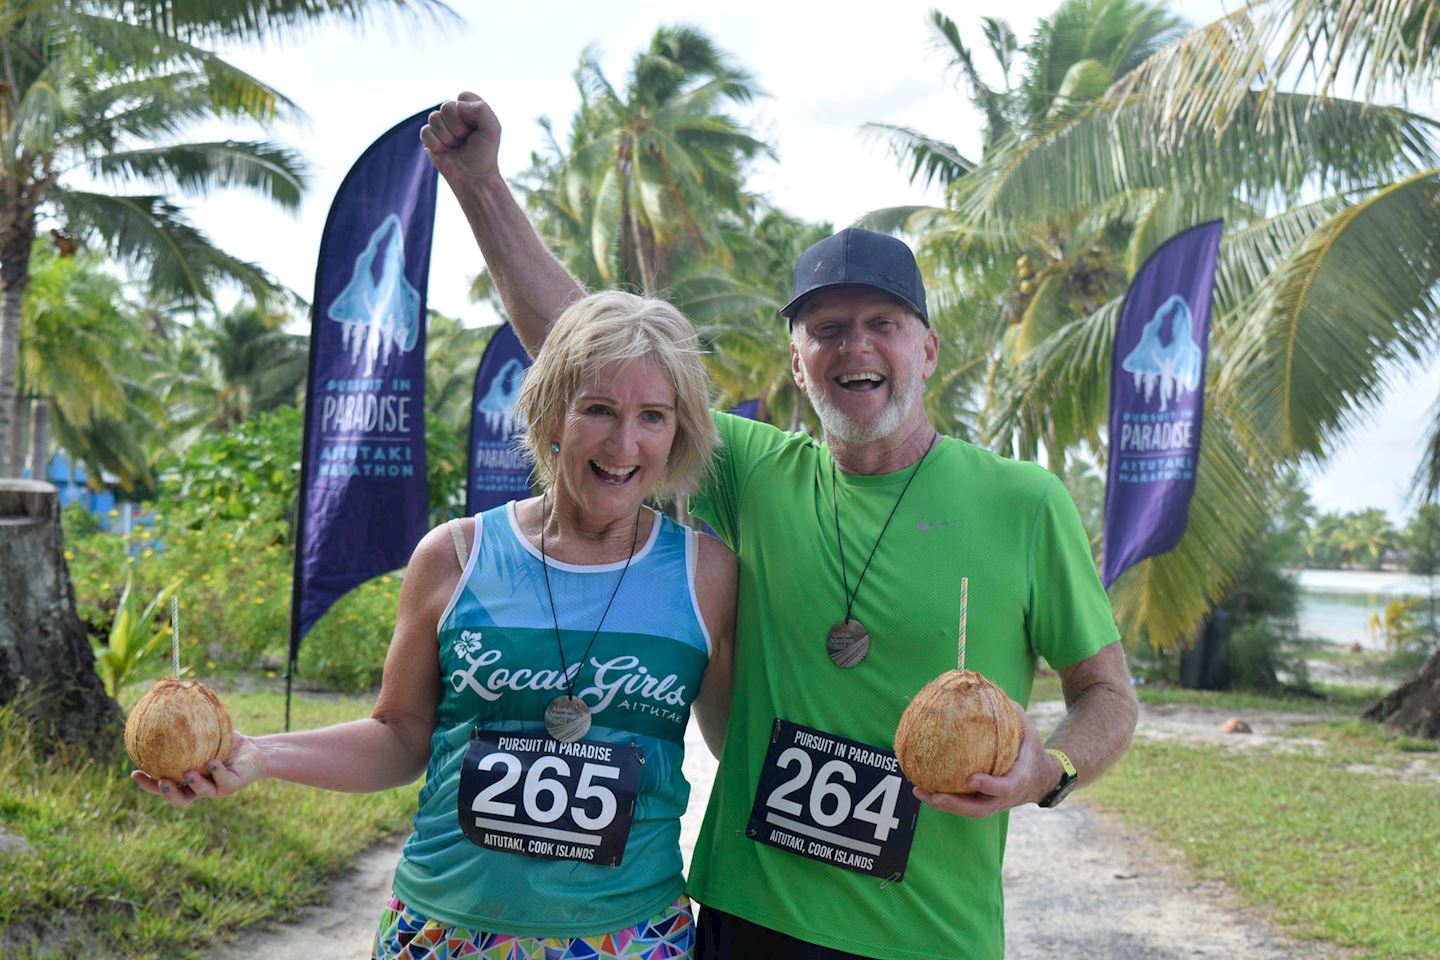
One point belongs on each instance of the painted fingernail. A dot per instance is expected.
(189, 780)
(164, 788)
(214, 768)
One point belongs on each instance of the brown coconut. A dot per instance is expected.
(958, 724)
(179, 725)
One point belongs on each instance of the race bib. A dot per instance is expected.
(835, 800)
(531, 795)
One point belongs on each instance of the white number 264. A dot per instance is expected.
(830, 803)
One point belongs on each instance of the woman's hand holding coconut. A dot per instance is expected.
(242, 766)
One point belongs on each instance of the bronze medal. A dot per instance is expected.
(847, 643)
(567, 719)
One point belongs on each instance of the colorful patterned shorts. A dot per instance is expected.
(406, 935)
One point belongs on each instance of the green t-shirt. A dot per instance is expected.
(1011, 528)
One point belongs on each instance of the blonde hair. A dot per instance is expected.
(615, 327)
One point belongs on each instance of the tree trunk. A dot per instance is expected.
(15, 244)
(14, 464)
(46, 665)
(1414, 707)
(40, 440)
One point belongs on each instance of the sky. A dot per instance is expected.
(825, 69)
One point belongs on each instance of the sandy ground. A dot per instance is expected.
(1117, 897)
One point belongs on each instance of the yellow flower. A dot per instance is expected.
(105, 585)
(147, 553)
(270, 674)
(259, 600)
(69, 554)
(209, 664)
(113, 513)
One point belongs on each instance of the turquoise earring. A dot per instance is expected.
(555, 447)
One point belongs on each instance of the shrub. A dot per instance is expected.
(224, 526)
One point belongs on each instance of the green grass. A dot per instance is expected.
(1332, 846)
(1326, 699)
(150, 881)
(1348, 857)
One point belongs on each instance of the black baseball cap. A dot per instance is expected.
(856, 257)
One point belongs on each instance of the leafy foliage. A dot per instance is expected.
(223, 525)
(133, 636)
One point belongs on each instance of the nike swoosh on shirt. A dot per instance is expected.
(922, 526)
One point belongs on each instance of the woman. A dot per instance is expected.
(545, 658)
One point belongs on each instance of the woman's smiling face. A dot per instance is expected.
(615, 440)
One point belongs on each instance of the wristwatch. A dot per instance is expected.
(1068, 778)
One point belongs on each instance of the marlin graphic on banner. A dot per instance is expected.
(498, 404)
(379, 310)
(1157, 399)
(1174, 362)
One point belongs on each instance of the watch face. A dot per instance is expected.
(1061, 791)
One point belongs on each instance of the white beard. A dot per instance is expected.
(841, 426)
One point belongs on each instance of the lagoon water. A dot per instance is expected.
(1336, 605)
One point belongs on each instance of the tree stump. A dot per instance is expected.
(1415, 706)
(46, 664)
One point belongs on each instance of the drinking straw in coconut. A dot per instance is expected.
(964, 602)
(175, 631)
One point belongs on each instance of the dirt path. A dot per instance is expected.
(1116, 896)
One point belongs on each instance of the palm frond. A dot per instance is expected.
(992, 103)
(1358, 292)
(234, 92)
(273, 171)
(1426, 482)
(1330, 145)
(201, 20)
(1201, 81)
(1065, 378)
(148, 230)
(930, 160)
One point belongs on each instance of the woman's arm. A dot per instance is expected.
(390, 748)
(716, 579)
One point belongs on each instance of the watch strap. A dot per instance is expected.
(1068, 778)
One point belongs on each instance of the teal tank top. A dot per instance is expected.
(499, 669)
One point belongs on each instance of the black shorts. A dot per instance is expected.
(724, 936)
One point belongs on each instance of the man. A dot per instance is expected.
(852, 555)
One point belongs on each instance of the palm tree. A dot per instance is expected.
(1372, 535)
(737, 309)
(81, 352)
(229, 368)
(1077, 199)
(103, 89)
(648, 169)
(1059, 263)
